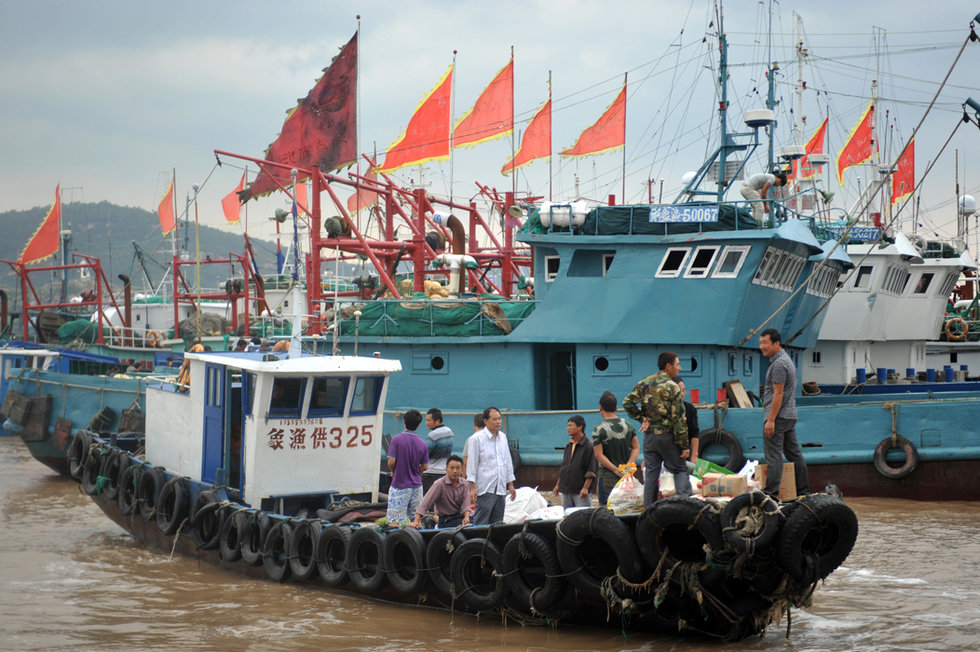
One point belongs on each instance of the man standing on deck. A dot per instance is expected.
(756, 190)
(489, 470)
(614, 443)
(779, 406)
(578, 467)
(408, 457)
(658, 404)
(439, 440)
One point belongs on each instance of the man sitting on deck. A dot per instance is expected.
(448, 497)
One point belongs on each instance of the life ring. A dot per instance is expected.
(207, 518)
(956, 329)
(81, 441)
(151, 480)
(230, 539)
(331, 554)
(404, 560)
(154, 339)
(275, 557)
(438, 558)
(173, 504)
(816, 538)
(301, 548)
(113, 466)
(881, 457)
(587, 571)
(476, 571)
(750, 522)
(736, 459)
(128, 498)
(252, 536)
(92, 469)
(532, 572)
(364, 559)
(678, 528)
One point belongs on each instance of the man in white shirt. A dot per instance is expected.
(757, 187)
(489, 470)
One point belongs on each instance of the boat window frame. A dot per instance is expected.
(314, 411)
(607, 259)
(673, 272)
(946, 289)
(289, 411)
(703, 271)
(918, 284)
(859, 275)
(379, 387)
(550, 276)
(743, 253)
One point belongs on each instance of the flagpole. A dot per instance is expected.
(551, 150)
(513, 127)
(173, 237)
(452, 108)
(357, 120)
(622, 200)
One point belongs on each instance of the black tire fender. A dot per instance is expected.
(112, 469)
(594, 544)
(476, 572)
(92, 470)
(252, 536)
(78, 448)
(275, 551)
(750, 522)
(150, 483)
(678, 527)
(404, 560)
(301, 548)
(173, 505)
(128, 498)
(896, 472)
(365, 559)
(207, 519)
(230, 538)
(438, 558)
(821, 527)
(736, 458)
(532, 572)
(331, 554)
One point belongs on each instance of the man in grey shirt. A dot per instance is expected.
(779, 406)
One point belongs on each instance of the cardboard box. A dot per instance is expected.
(723, 484)
(703, 466)
(787, 484)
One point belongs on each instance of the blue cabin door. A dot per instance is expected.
(214, 421)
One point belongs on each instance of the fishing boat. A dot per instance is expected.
(268, 466)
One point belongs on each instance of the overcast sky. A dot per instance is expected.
(107, 97)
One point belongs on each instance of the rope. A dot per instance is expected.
(893, 406)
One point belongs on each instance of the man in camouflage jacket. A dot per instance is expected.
(657, 402)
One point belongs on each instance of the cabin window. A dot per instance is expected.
(551, 264)
(703, 257)
(731, 261)
(815, 358)
(589, 262)
(367, 394)
(329, 397)
(248, 392)
(824, 282)
(287, 397)
(862, 280)
(896, 278)
(611, 364)
(779, 269)
(607, 262)
(430, 363)
(923, 285)
(673, 262)
(947, 287)
(212, 387)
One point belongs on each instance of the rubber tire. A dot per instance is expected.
(301, 548)
(476, 571)
(230, 539)
(404, 560)
(331, 554)
(275, 551)
(365, 559)
(151, 480)
(92, 469)
(438, 558)
(593, 544)
(665, 528)
(173, 505)
(252, 536)
(736, 458)
(207, 519)
(751, 502)
(893, 472)
(113, 467)
(78, 448)
(128, 499)
(533, 586)
(822, 525)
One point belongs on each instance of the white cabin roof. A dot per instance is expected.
(319, 364)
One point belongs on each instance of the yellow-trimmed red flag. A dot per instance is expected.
(427, 136)
(857, 150)
(903, 181)
(363, 198)
(166, 210)
(231, 205)
(536, 142)
(813, 146)
(607, 134)
(492, 115)
(44, 243)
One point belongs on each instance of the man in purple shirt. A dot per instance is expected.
(408, 457)
(448, 497)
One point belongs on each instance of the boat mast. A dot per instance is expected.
(726, 140)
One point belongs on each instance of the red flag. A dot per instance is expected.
(320, 130)
(427, 136)
(231, 205)
(857, 150)
(492, 116)
(903, 181)
(813, 146)
(44, 243)
(536, 142)
(608, 132)
(300, 194)
(363, 198)
(166, 210)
